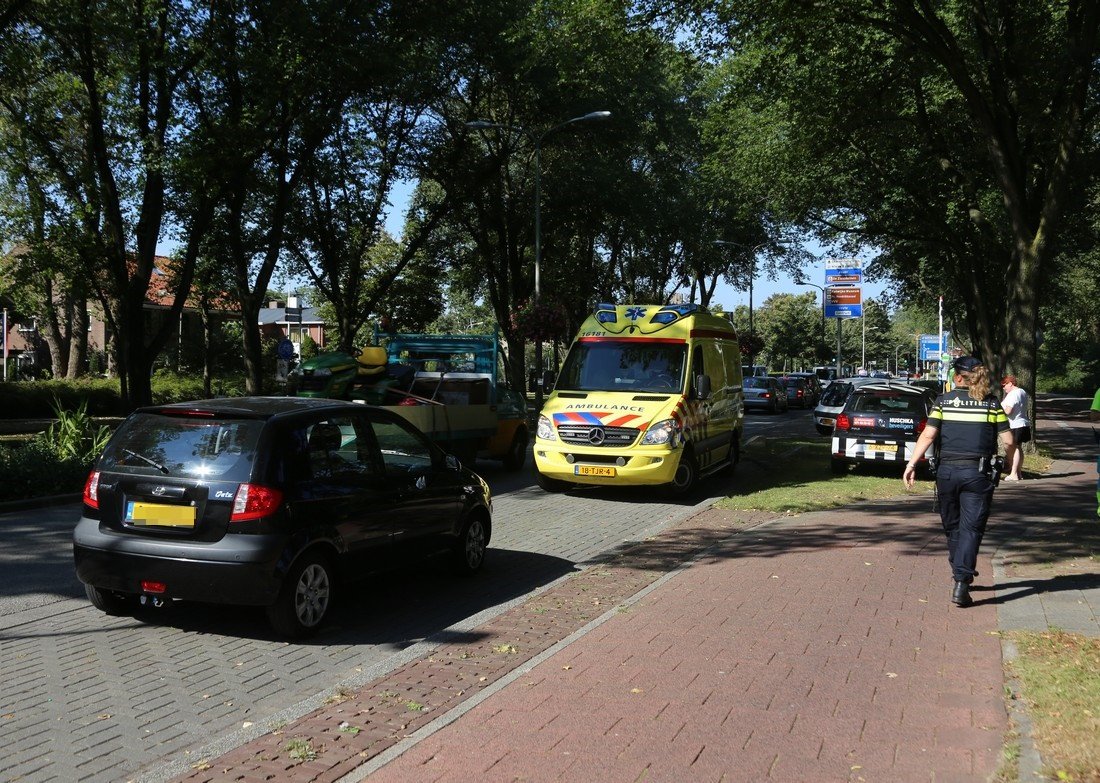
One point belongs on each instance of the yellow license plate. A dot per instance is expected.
(593, 470)
(880, 447)
(160, 514)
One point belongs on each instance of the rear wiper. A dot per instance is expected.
(145, 459)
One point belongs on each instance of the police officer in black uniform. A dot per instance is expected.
(966, 424)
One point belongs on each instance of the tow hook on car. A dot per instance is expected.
(153, 593)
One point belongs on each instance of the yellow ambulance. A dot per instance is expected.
(648, 395)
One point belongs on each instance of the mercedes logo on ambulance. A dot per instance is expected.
(596, 436)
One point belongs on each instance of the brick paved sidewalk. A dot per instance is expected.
(820, 647)
(814, 647)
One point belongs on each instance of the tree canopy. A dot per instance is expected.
(954, 142)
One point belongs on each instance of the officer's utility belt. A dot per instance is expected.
(968, 462)
(991, 466)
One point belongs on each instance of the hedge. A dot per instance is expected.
(35, 399)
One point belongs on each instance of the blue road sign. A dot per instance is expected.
(852, 276)
(930, 347)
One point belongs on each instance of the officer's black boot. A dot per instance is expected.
(960, 596)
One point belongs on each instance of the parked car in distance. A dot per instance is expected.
(275, 502)
(812, 383)
(825, 375)
(765, 393)
(798, 391)
(832, 402)
(933, 386)
(880, 422)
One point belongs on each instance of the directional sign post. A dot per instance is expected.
(929, 347)
(844, 301)
(843, 271)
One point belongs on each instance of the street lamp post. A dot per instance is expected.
(873, 328)
(800, 281)
(485, 125)
(752, 268)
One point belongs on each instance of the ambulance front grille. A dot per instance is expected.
(582, 435)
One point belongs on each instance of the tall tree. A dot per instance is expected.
(946, 134)
(335, 235)
(789, 325)
(93, 88)
(267, 97)
(40, 268)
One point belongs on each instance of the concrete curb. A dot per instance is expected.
(40, 502)
(1030, 763)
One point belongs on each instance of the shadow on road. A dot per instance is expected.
(394, 609)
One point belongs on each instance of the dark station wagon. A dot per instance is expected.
(274, 502)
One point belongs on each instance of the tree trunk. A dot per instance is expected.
(253, 344)
(207, 348)
(78, 338)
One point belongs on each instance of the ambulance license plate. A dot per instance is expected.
(593, 470)
(883, 447)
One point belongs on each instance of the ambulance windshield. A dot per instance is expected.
(624, 365)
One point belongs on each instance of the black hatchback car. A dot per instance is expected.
(269, 501)
(880, 422)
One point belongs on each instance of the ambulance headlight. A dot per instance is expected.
(661, 433)
(545, 429)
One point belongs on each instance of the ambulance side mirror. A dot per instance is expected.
(702, 387)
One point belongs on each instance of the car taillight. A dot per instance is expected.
(921, 425)
(253, 501)
(798, 393)
(91, 490)
(766, 395)
(843, 422)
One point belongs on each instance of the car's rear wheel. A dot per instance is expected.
(551, 484)
(469, 551)
(838, 466)
(304, 598)
(517, 452)
(110, 602)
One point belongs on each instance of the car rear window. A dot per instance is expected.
(836, 393)
(754, 382)
(159, 445)
(886, 403)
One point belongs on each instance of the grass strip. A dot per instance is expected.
(792, 475)
(1060, 675)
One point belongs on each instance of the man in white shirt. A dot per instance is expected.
(1015, 404)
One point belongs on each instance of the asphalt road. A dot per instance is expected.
(95, 698)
